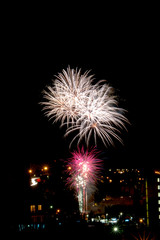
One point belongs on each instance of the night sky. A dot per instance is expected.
(125, 53)
(31, 138)
(34, 139)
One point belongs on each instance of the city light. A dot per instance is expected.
(115, 229)
(158, 187)
(157, 172)
(45, 168)
(113, 220)
(58, 211)
(141, 220)
(34, 181)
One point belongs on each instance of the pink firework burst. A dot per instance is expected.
(84, 168)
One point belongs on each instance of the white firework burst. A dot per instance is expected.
(67, 93)
(99, 116)
(90, 109)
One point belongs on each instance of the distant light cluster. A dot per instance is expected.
(85, 108)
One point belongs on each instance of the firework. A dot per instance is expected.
(66, 95)
(84, 169)
(85, 108)
(99, 116)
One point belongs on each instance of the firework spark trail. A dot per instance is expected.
(91, 109)
(84, 164)
(84, 170)
(99, 116)
(67, 94)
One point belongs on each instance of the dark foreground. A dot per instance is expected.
(83, 230)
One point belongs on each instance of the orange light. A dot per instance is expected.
(39, 207)
(45, 168)
(30, 170)
(141, 220)
(58, 211)
(157, 172)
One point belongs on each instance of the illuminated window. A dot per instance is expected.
(158, 201)
(158, 179)
(159, 194)
(32, 208)
(159, 216)
(158, 187)
(159, 209)
(39, 207)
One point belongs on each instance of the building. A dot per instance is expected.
(157, 176)
(47, 200)
(134, 191)
(121, 191)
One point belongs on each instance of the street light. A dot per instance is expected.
(45, 168)
(58, 211)
(115, 229)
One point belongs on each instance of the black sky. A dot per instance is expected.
(125, 57)
(123, 49)
(32, 138)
